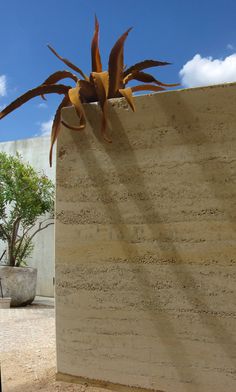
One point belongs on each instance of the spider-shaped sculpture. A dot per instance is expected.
(99, 86)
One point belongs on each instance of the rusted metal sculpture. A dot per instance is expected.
(98, 87)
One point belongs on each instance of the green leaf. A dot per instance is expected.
(25, 195)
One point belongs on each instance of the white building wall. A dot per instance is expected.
(36, 151)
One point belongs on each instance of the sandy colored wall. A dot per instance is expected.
(35, 151)
(146, 244)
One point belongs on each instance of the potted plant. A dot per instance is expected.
(25, 196)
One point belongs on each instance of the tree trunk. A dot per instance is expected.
(12, 243)
(10, 254)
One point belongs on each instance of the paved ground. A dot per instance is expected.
(27, 350)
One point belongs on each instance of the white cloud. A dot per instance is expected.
(46, 127)
(202, 71)
(3, 85)
(42, 105)
(230, 47)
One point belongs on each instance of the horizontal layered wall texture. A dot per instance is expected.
(146, 244)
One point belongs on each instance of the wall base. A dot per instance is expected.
(101, 384)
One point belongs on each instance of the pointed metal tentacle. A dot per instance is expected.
(43, 89)
(116, 65)
(101, 83)
(127, 94)
(57, 76)
(68, 63)
(95, 53)
(56, 125)
(74, 97)
(146, 78)
(145, 64)
(146, 87)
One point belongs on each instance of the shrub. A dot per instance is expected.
(25, 196)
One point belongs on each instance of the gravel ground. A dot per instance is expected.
(27, 350)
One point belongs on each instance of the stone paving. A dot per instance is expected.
(30, 327)
(27, 350)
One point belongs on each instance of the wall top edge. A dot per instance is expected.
(208, 87)
(34, 139)
(167, 92)
(182, 90)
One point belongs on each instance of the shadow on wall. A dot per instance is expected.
(195, 297)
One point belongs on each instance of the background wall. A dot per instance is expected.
(35, 151)
(146, 244)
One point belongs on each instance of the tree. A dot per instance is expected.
(25, 196)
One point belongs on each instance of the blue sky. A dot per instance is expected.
(198, 37)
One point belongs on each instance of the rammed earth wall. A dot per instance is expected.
(146, 244)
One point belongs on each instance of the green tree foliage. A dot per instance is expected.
(25, 196)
